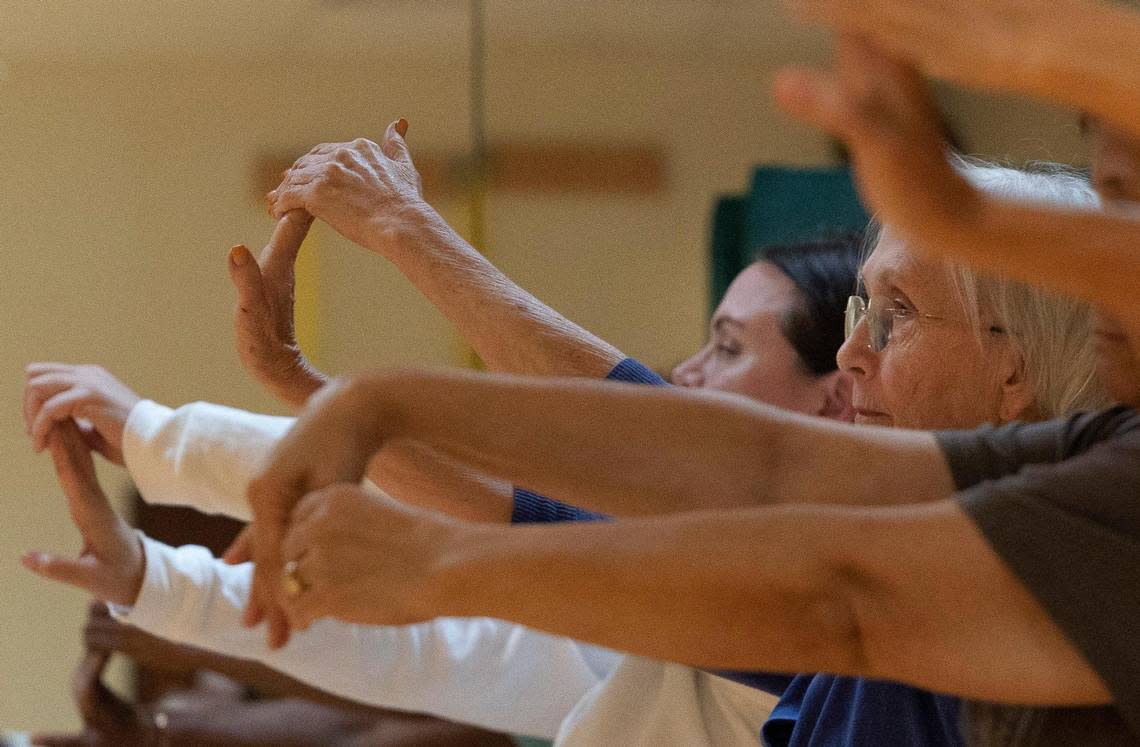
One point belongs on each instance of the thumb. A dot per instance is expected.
(395, 147)
(78, 573)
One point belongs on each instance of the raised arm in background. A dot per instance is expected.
(371, 194)
(1076, 52)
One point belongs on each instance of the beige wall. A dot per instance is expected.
(126, 183)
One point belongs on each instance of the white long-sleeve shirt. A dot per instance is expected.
(476, 670)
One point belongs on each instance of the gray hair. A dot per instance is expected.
(1052, 333)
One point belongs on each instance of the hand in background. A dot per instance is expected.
(264, 320)
(98, 402)
(364, 190)
(883, 110)
(111, 564)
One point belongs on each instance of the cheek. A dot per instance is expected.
(927, 385)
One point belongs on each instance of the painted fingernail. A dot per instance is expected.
(239, 255)
(402, 126)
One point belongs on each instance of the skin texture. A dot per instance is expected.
(935, 372)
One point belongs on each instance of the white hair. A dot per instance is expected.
(1053, 334)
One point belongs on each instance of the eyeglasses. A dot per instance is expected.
(880, 316)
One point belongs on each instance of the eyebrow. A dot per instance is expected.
(725, 321)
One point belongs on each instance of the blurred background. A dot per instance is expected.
(137, 138)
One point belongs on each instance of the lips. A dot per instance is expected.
(866, 412)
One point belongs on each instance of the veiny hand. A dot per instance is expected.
(98, 402)
(986, 43)
(263, 319)
(883, 110)
(364, 190)
(332, 441)
(363, 558)
(111, 564)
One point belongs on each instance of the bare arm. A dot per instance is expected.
(370, 193)
(1076, 52)
(874, 593)
(615, 449)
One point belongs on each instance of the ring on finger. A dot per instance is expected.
(291, 579)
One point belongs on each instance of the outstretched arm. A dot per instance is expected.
(863, 592)
(1076, 52)
(615, 449)
(370, 193)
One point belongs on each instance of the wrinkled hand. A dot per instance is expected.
(98, 402)
(110, 566)
(332, 441)
(884, 112)
(263, 319)
(362, 558)
(985, 43)
(364, 190)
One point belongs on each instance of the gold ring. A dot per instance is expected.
(291, 579)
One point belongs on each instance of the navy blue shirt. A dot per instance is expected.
(814, 709)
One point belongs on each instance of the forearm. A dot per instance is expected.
(619, 450)
(510, 329)
(1043, 246)
(859, 592)
(200, 455)
(203, 456)
(1069, 63)
(419, 476)
(705, 592)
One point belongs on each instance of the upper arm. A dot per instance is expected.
(938, 608)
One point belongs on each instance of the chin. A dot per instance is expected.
(885, 421)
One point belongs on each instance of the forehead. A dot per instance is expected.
(894, 267)
(759, 289)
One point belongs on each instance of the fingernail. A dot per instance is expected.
(402, 126)
(238, 255)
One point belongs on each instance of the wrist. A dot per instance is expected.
(398, 232)
(462, 572)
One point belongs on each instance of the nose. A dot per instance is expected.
(855, 355)
(689, 373)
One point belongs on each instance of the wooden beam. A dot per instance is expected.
(521, 166)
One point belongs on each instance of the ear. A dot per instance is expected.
(836, 387)
(1017, 396)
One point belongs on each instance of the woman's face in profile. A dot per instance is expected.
(746, 352)
(937, 370)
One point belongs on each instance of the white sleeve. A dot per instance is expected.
(200, 455)
(477, 670)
